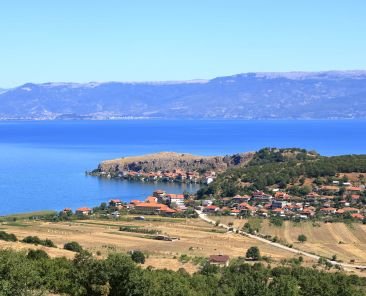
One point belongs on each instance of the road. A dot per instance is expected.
(277, 245)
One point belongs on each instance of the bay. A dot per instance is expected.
(43, 163)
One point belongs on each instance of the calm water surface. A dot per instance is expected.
(42, 163)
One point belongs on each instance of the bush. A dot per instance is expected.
(74, 247)
(139, 230)
(253, 253)
(9, 237)
(138, 257)
(302, 238)
(184, 258)
(37, 241)
(276, 221)
(37, 255)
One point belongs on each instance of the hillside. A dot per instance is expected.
(287, 169)
(309, 95)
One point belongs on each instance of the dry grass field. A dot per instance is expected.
(197, 239)
(346, 241)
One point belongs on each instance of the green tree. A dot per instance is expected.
(253, 253)
(302, 238)
(285, 286)
(138, 257)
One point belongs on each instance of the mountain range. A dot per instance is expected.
(289, 95)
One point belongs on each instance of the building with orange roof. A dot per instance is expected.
(83, 211)
(115, 203)
(151, 199)
(357, 216)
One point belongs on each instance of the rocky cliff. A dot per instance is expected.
(169, 161)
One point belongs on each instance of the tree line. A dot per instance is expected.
(22, 274)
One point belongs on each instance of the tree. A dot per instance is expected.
(253, 253)
(302, 238)
(73, 246)
(138, 257)
(285, 285)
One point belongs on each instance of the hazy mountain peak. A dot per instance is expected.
(329, 94)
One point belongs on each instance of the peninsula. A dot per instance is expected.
(170, 167)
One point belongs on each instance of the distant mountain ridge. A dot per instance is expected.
(263, 95)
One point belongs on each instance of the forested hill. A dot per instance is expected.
(283, 168)
(247, 96)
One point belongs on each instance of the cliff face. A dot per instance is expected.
(169, 161)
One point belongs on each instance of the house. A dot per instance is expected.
(308, 212)
(234, 212)
(278, 204)
(159, 193)
(278, 212)
(226, 201)
(220, 260)
(263, 212)
(357, 216)
(83, 211)
(350, 210)
(151, 199)
(312, 196)
(353, 189)
(207, 202)
(211, 209)
(134, 202)
(246, 208)
(259, 196)
(115, 203)
(177, 199)
(149, 208)
(279, 195)
(240, 199)
(328, 211)
(167, 211)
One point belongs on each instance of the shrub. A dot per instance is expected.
(37, 241)
(37, 255)
(10, 237)
(184, 258)
(276, 221)
(74, 247)
(138, 257)
(302, 238)
(139, 230)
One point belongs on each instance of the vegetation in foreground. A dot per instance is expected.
(36, 274)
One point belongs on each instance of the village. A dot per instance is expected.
(176, 175)
(328, 202)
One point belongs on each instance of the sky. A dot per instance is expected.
(154, 40)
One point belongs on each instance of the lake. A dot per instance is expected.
(43, 163)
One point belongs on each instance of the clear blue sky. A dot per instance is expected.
(95, 40)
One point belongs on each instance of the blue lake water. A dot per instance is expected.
(42, 163)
